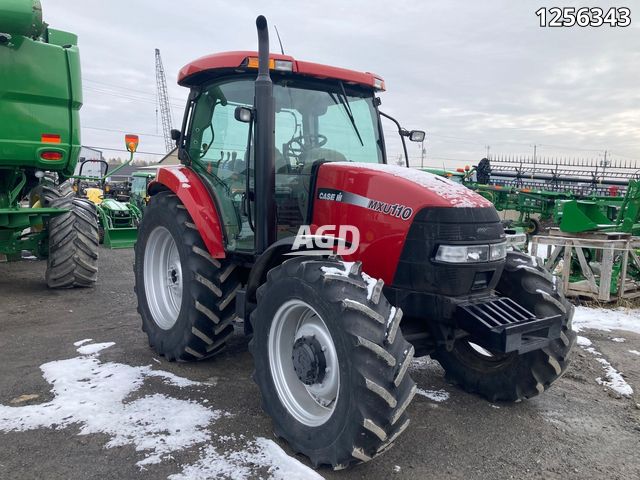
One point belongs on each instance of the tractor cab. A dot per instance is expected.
(322, 114)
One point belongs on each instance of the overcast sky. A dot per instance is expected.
(470, 73)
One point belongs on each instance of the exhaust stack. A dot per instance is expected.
(264, 103)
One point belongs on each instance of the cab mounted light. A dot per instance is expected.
(131, 141)
(378, 84)
(279, 65)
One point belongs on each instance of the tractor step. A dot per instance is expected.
(501, 325)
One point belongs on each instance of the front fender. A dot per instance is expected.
(193, 194)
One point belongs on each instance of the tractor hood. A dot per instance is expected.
(381, 187)
(114, 205)
(383, 201)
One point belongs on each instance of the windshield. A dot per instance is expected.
(314, 124)
(314, 121)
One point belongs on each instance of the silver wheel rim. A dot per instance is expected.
(480, 350)
(163, 278)
(314, 404)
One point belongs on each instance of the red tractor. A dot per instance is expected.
(269, 144)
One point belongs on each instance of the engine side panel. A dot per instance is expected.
(196, 198)
(382, 202)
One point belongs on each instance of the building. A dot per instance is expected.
(170, 158)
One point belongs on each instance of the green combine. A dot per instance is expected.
(40, 100)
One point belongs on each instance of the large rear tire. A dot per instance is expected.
(186, 298)
(513, 377)
(73, 238)
(331, 361)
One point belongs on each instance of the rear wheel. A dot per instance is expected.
(512, 376)
(186, 298)
(330, 361)
(73, 238)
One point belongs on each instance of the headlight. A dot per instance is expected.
(498, 251)
(471, 253)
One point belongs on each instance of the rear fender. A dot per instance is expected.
(193, 194)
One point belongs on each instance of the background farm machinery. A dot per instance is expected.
(118, 217)
(589, 212)
(40, 100)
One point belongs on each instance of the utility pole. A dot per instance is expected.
(163, 101)
(422, 154)
(488, 147)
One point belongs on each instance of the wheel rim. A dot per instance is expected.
(474, 355)
(163, 278)
(480, 350)
(311, 404)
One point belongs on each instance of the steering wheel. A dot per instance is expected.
(298, 145)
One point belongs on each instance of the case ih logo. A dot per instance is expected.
(328, 240)
(394, 209)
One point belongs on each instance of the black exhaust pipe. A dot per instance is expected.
(265, 171)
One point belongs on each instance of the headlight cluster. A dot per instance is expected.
(471, 253)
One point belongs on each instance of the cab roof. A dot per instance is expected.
(219, 64)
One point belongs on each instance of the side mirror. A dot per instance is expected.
(416, 135)
(243, 114)
(175, 134)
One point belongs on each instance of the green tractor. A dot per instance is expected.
(118, 220)
(40, 100)
(139, 182)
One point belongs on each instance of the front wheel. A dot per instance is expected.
(330, 361)
(512, 376)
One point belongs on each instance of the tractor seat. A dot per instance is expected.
(316, 154)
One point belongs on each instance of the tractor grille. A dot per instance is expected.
(433, 227)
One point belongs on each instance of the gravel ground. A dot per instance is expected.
(578, 429)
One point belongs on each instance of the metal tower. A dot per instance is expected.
(163, 100)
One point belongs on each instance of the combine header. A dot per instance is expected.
(596, 206)
(538, 188)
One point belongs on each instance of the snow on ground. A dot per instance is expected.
(607, 319)
(435, 395)
(424, 363)
(583, 341)
(94, 348)
(238, 465)
(614, 379)
(635, 352)
(94, 395)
